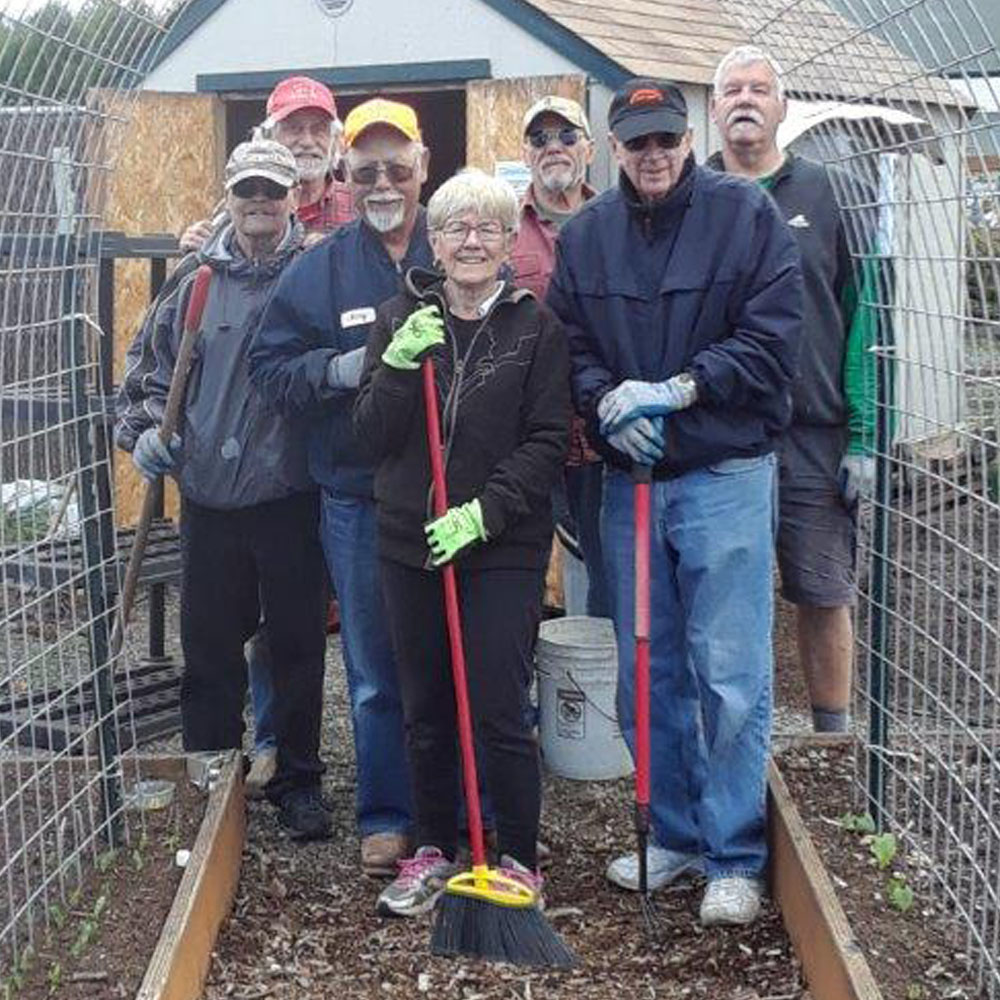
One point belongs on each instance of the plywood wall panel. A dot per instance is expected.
(168, 173)
(495, 109)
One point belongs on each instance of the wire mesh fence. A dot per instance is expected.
(903, 105)
(67, 78)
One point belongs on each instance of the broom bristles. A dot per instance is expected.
(518, 935)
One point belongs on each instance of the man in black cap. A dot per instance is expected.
(682, 295)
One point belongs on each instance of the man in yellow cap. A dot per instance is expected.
(306, 360)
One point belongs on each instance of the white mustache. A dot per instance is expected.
(751, 114)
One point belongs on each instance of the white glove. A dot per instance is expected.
(856, 478)
(343, 371)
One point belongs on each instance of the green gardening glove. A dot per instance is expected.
(421, 331)
(458, 527)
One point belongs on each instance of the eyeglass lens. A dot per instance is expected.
(486, 231)
(665, 140)
(368, 174)
(541, 137)
(250, 187)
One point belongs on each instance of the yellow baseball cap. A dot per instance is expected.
(379, 111)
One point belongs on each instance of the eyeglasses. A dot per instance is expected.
(396, 173)
(541, 137)
(663, 140)
(487, 232)
(250, 187)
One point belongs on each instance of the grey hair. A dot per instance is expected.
(747, 55)
(472, 190)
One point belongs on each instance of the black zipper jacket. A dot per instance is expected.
(504, 400)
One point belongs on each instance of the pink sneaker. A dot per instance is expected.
(513, 869)
(420, 882)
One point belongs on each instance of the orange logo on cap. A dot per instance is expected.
(646, 96)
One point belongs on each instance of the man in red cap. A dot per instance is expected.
(302, 116)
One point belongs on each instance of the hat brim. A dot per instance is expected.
(551, 111)
(271, 175)
(351, 141)
(648, 123)
(278, 116)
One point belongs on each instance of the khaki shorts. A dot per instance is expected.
(817, 534)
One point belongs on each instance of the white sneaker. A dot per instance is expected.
(732, 900)
(663, 866)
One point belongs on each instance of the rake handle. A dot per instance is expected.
(470, 779)
(642, 476)
(171, 417)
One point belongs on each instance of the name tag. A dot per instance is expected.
(357, 317)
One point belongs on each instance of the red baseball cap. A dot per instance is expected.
(296, 93)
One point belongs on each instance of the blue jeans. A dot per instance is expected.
(583, 494)
(711, 560)
(383, 784)
(261, 691)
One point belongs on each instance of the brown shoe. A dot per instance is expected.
(381, 851)
(261, 771)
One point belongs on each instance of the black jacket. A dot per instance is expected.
(808, 195)
(706, 281)
(505, 411)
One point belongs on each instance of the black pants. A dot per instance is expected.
(235, 565)
(500, 614)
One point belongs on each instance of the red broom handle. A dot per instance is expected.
(470, 779)
(643, 475)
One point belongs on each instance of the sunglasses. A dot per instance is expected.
(250, 187)
(664, 140)
(541, 137)
(397, 173)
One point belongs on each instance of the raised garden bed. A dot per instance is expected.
(139, 925)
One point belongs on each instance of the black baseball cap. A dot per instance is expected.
(644, 106)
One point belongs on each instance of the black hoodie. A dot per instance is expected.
(504, 399)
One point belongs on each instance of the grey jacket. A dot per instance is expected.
(236, 450)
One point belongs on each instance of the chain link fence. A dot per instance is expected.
(904, 103)
(68, 73)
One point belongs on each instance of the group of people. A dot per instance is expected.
(682, 320)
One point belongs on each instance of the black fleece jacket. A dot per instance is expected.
(504, 399)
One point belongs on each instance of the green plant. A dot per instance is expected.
(857, 822)
(58, 915)
(106, 859)
(901, 896)
(883, 849)
(54, 978)
(88, 929)
(916, 992)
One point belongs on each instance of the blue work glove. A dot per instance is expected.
(632, 399)
(457, 528)
(343, 371)
(641, 440)
(152, 457)
(856, 478)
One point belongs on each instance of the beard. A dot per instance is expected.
(312, 167)
(560, 178)
(385, 216)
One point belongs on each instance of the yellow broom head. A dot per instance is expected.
(492, 886)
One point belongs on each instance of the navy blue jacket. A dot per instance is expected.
(324, 305)
(705, 281)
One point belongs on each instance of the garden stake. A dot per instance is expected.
(171, 417)
(642, 476)
(482, 913)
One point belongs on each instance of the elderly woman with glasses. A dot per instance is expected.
(502, 375)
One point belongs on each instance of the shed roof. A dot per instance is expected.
(823, 53)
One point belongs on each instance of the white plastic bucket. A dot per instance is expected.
(577, 664)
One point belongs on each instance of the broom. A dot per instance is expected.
(482, 913)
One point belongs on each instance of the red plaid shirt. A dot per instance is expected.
(333, 209)
(533, 259)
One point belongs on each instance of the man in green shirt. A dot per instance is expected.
(826, 462)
